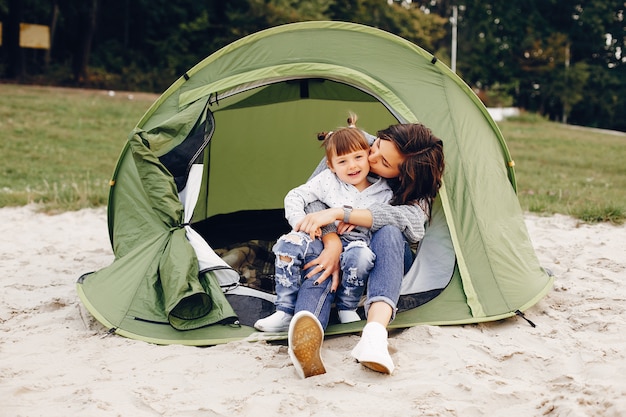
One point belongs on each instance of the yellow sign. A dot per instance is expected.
(34, 36)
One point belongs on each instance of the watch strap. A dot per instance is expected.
(347, 210)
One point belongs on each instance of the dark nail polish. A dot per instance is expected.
(316, 283)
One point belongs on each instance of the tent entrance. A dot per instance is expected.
(265, 141)
(223, 230)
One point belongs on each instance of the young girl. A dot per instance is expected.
(345, 184)
(412, 159)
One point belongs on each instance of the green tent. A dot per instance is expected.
(196, 197)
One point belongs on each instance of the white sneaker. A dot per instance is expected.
(277, 322)
(348, 316)
(305, 337)
(372, 351)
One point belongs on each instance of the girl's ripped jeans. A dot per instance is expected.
(296, 249)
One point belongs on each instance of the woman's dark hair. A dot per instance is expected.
(422, 169)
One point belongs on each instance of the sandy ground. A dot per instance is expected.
(55, 359)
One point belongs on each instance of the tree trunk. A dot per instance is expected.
(53, 26)
(566, 99)
(14, 54)
(81, 59)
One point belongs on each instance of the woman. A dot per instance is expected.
(412, 160)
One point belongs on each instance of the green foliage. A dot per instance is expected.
(146, 45)
(603, 101)
(545, 53)
(563, 59)
(404, 19)
(497, 96)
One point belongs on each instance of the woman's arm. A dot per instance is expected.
(312, 222)
(409, 218)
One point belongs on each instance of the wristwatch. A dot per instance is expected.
(346, 213)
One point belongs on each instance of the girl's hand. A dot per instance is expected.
(313, 222)
(345, 228)
(327, 262)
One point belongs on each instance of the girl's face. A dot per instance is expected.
(385, 159)
(351, 168)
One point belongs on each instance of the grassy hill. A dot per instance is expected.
(59, 148)
(568, 169)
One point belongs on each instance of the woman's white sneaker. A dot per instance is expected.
(372, 351)
(277, 322)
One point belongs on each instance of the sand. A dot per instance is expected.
(56, 360)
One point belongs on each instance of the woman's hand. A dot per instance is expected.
(312, 223)
(327, 262)
(345, 227)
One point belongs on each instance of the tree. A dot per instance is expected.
(403, 19)
(537, 54)
(540, 52)
(87, 28)
(13, 52)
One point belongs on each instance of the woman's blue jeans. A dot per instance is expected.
(384, 282)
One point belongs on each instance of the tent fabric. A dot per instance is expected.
(172, 291)
(209, 163)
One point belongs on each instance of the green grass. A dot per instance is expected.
(569, 170)
(59, 147)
